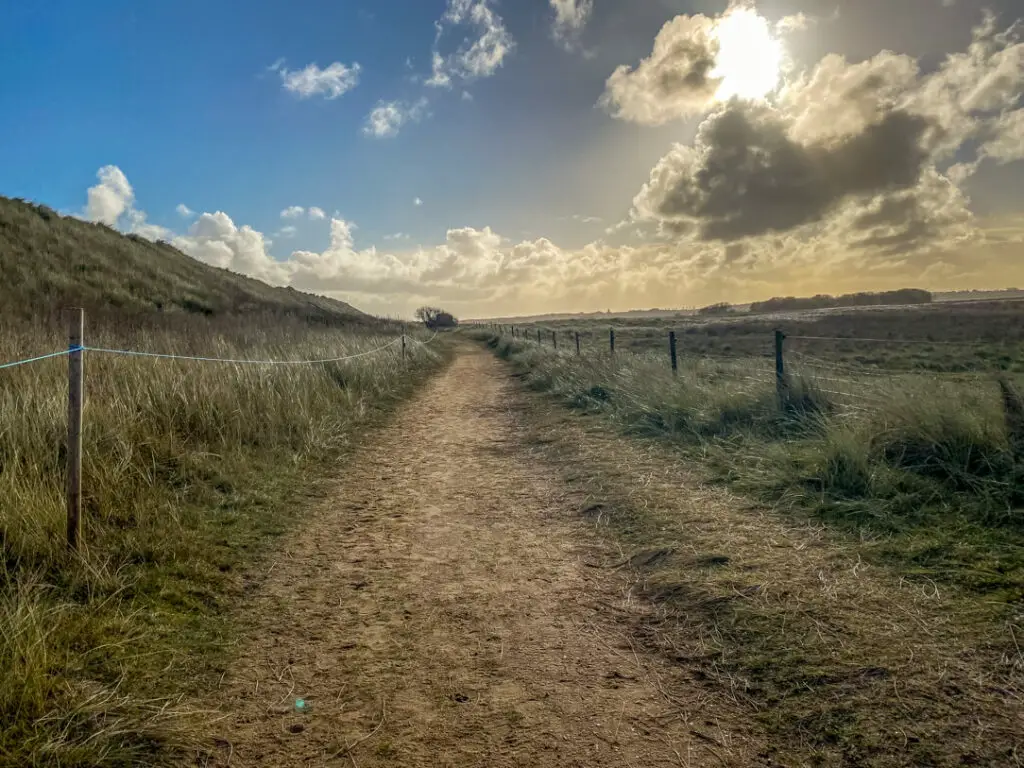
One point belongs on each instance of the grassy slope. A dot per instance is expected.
(50, 261)
(190, 473)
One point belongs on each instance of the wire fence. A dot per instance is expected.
(853, 388)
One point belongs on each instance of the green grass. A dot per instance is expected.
(50, 261)
(925, 466)
(190, 472)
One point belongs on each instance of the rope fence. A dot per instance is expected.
(76, 353)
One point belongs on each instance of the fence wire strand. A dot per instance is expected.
(30, 360)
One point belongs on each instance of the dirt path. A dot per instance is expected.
(442, 609)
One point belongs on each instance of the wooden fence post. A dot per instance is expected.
(538, 335)
(780, 364)
(611, 340)
(672, 351)
(403, 342)
(76, 335)
(577, 343)
(554, 339)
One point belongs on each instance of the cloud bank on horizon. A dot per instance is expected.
(827, 175)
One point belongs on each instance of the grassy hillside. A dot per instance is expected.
(190, 472)
(50, 261)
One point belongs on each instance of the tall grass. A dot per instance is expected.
(930, 462)
(189, 470)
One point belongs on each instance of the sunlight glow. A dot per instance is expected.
(749, 60)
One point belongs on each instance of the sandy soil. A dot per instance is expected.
(442, 608)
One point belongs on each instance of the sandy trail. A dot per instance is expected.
(441, 609)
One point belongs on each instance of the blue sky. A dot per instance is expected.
(536, 174)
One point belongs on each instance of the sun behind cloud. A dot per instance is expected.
(749, 58)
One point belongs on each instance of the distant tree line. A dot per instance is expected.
(716, 309)
(823, 301)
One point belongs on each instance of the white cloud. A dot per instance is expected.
(798, 22)
(1007, 142)
(331, 82)
(477, 271)
(317, 214)
(397, 236)
(480, 53)
(293, 212)
(697, 62)
(586, 219)
(109, 199)
(213, 238)
(387, 118)
(184, 211)
(288, 231)
(675, 81)
(467, 96)
(571, 17)
(417, 202)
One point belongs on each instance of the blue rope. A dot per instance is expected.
(41, 357)
(131, 353)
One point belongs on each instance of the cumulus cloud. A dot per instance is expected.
(109, 199)
(481, 52)
(215, 239)
(388, 117)
(745, 174)
(477, 271)
(289, 231)
(854, 154)
(333, 81)
(1007, 138)
(184, 211)
(317, 214)
(293, 212)
(674, 81)
(571, 17)
(417, 202)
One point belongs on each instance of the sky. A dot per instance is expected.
(503, 158)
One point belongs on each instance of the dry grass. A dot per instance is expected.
(190, 470)
(841, 660)
(50, 261)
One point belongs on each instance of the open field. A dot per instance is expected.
(190, 472)
(917, 445)
(940, 337)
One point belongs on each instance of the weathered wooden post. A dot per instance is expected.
(403, 342)
(611, 340)
(780, 364)
(554, 339)
(577, 343)
(672, 351)
(538, 335)
(76, 335)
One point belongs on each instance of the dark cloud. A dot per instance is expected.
(745, 176)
